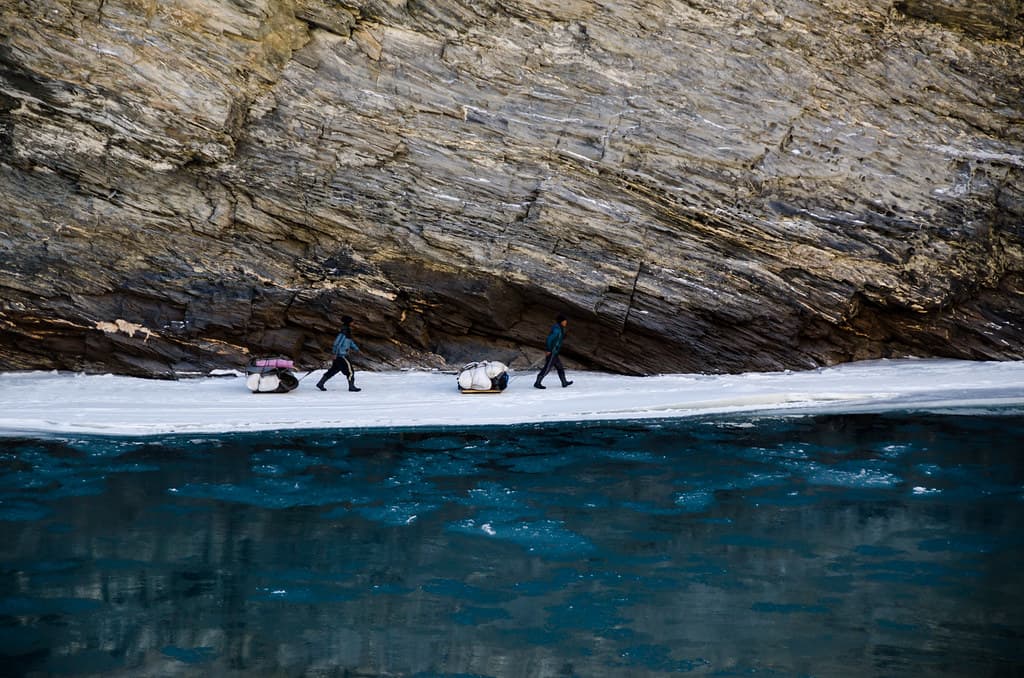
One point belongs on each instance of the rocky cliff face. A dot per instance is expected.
(700, 185)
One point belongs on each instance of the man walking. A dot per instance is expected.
(553, 346)
(342, 345)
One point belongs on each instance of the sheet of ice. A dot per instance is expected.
(51, 402)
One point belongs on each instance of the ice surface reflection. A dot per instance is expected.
(841, 545)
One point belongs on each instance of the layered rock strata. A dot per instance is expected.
(699, 185)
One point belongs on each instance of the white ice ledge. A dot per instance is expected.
(50, 402)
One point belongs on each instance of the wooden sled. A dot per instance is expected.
(270, 375)
(483, 377)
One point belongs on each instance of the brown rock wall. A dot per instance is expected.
(701, 186)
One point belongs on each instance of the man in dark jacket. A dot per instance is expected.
(553, 346)
(342, 345)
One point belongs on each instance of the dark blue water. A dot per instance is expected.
(858, 545)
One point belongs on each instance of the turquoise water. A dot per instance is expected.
(883, 545)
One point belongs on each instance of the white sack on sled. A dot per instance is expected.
(262, 383)
(481, 382)
(495, 369)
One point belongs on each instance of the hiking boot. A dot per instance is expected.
(353, 387)
(320, 385)
(566, 383)
(538, 385)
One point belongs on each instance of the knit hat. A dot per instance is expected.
(346, 319)
(560, 317)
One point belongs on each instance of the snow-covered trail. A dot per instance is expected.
(49, 402)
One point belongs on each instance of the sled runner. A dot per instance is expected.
(487, 376)
(270, 375)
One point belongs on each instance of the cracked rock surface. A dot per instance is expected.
(701, 186)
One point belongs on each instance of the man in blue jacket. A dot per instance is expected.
(553, 346)
(342, 345)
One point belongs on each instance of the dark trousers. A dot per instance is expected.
(554, 362)
(340, 364)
